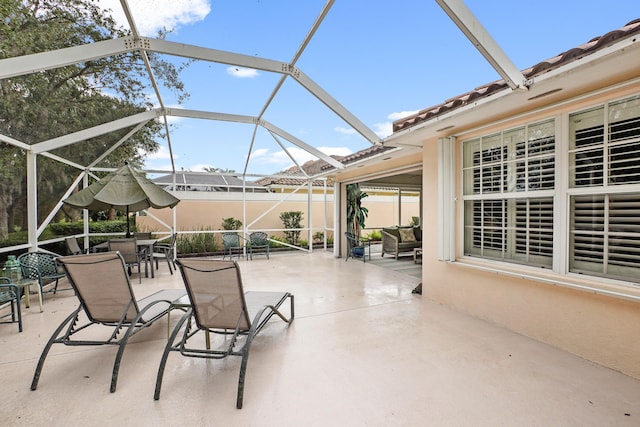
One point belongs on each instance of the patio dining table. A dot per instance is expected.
(142, 244)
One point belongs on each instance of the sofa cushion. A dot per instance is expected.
(407, 235)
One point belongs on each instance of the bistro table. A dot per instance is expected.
(417, 255)
(25, 285)
(146, 244)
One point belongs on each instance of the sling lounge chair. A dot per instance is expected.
(220, 306)
(106, 298)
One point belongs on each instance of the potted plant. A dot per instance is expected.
(356, 215)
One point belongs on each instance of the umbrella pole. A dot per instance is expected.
(128, 232)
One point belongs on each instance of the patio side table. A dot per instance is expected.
(417, 255)
(25, 285)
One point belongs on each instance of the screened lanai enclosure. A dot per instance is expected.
(82, 98)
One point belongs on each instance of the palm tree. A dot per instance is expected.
(356, 213)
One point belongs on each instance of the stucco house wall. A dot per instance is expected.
(562, 310)
(599, 328)
(200, 210)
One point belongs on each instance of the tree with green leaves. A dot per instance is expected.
(292, 220)
(51, 103)
(356, 213)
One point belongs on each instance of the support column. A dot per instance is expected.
(32, 201)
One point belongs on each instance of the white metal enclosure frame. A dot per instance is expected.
(33, 63)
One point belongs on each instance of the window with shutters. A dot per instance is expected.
(604, 153)
(509, 179)
(510, 193)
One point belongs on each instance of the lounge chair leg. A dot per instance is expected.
(45, 351)
(121, 347)
(165, 354)
(243, 369)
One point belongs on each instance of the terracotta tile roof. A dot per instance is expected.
(296, 177)
(314, 167)
(557, 61)
(362, 154)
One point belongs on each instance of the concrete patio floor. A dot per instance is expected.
(363, 350)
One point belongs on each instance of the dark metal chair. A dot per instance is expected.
(357, 247)
(106, 299)
(10, 294)
(165, 251)
(73, 246)
(142, 235)
(233, 242)
(43, 267)
(258, 240)
(128, 248)
(219, 305)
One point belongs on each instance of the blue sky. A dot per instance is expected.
(382, 60)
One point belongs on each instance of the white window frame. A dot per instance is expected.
(562, 194)
(510, 195)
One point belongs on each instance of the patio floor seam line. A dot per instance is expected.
(352, 309)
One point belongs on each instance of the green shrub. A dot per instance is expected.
(375, 235)
(291, 219)
(197, 243)
(273, 244)
(231, 224)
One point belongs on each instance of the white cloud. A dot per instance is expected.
(401, 115)
(345, 131)
(200, 167)
(161, 154)
(385, 129)
(242, 73)
(153, 15)
(281, 160)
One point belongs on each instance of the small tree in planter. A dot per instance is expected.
(356, 213)
(291, 219)
(231, 224)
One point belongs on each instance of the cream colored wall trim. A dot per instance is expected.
(610, 289)
(446, 199)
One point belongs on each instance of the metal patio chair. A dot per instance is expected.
(42, 267)
(73, 246)
(133, 257)
(233, 242)
(165, 251)
(258, 240)
(357, 247)
(106, 299)
(219, 305)
(10, 294)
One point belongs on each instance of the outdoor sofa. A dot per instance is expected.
(397, 240)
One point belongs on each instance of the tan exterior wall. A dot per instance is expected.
(544, 306)
(598, 328)
(199, 213)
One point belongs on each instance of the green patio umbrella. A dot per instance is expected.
(125, 190)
